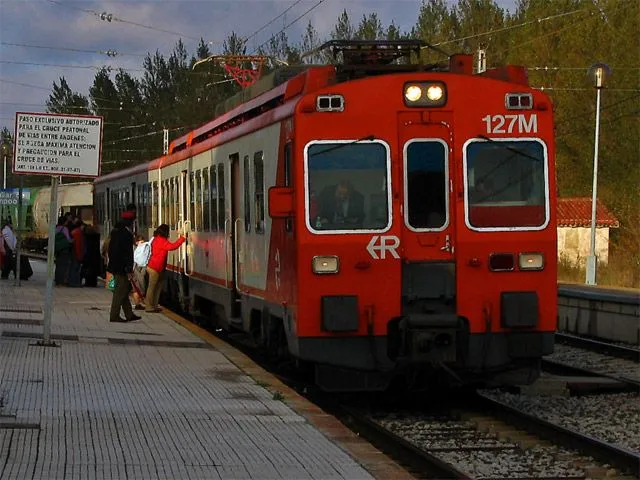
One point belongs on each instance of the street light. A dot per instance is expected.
(6, 150)
(598, 72)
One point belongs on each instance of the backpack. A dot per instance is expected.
(61, 242)
(142, 253)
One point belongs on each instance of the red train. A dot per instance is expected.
(374, 219)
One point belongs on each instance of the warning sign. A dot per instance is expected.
(50, 144)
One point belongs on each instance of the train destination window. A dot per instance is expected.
(506, 185)
(348, 186)
(426, 180)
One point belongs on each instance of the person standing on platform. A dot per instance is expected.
(63, 244)
(121, 266)
(157, 265)
(77, 253)
(92, 263)
(8, 237)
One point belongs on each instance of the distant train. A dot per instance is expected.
(378, 221)
(74, 198)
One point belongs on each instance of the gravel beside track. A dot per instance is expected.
(484, 452)
(613, 418)
(595, 362)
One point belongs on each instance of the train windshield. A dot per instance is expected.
(506, 185)
(347, 186)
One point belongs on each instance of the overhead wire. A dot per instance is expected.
(114, 18)
(247, 38)
(85, 67)
(68, 49)
(503, 29)
(290, 23)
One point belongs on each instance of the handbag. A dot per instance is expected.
(111, 285)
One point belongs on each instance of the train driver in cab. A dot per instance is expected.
(340, 204)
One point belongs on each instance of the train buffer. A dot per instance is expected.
(151, 399)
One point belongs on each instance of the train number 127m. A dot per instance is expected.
(511, 123)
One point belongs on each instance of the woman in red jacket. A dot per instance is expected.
(160, 247)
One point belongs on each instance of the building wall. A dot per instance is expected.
(574, 244)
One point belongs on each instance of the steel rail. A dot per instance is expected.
(619, 457)
(559, 368)
(599, 346)
(409, 455)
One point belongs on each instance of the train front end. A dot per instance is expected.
(427, 248)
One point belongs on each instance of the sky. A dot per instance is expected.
(43, 40)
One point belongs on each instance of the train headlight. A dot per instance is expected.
(531, 261)
(325, 264)
(425, 94)
(412, 93)
(435, 93)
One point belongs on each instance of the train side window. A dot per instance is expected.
(192, 201)
(198, 200)
(221, 199)
(148, 206)
(288, 179)
(177, 201)
(213, 193)
(426, 182)
(206, 212)
(154, 206)
(258, 178)
(246, 187)
(172, 203)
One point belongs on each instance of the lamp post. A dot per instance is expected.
(6, 149)
(599, 72)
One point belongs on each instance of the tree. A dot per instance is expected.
(344, 29)
(370, 28)
(63, 100)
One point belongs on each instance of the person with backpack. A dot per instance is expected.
(63, 244)
(157, 264)
(141, 256)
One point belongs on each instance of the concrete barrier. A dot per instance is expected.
(599, 312)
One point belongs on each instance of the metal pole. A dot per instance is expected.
(592, 260)
(4, 176)
(48, 299)
(20, 221)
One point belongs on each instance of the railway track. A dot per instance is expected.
(484, 439)
(621, 458)
(581, 356)
(599, 346)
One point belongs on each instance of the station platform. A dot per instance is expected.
(153, 399)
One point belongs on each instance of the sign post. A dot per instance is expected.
(20, 220)
(56, 145)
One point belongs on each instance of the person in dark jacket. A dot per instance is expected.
(92, 265)
(121, 266)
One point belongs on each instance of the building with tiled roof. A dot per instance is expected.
(574, 229)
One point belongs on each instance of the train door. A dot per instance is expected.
(428, 241)
(237, 230)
